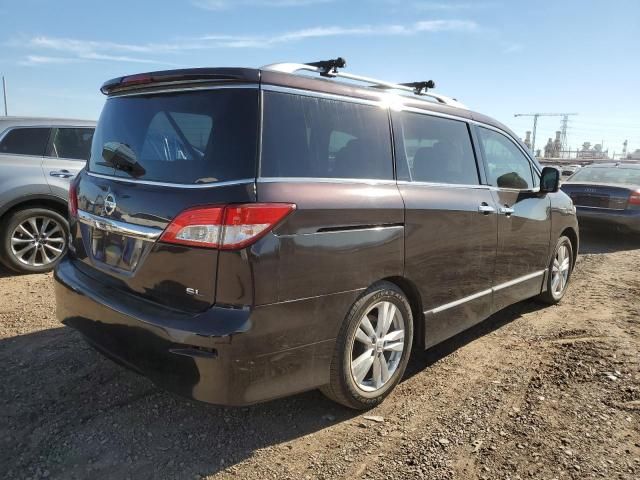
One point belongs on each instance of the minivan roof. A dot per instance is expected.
(190, 77)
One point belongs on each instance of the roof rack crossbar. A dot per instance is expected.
(329, 68)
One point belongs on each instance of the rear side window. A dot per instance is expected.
(25, 141)
(507, 166)
(72, 143)
(434, 149)
(196, 137)
(321, 138)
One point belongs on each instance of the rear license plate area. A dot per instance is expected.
(600, 201)
(116, 250)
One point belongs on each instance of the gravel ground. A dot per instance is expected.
(543, 393)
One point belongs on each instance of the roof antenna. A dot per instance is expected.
(329, 68)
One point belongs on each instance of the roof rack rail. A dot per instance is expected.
(329, 69)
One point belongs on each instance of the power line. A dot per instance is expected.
(4, 95)
(563, 134)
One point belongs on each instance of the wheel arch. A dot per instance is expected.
(412, 293)
(572, 235)
(51, 202)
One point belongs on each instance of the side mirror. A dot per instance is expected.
(549, 180)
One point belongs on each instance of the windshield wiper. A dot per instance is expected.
(121, 157)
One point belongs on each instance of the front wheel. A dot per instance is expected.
(33, 240)
(559, 272)
(372, 349)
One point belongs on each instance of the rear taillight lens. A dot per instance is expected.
(73, 200)
(634, 198)
(228, 227)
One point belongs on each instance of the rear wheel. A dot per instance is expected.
(559, 272)
(372, 349)
(33, 240)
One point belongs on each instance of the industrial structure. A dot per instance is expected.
(563, 130)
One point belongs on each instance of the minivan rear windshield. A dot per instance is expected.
(195, 137)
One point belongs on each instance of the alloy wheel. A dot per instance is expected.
(38, 241)
(377, 346)
(560, 270)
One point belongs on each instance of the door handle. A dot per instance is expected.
(486, 208)
(506, 210)
(61, 174)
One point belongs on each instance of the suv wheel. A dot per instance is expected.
(559, 272)
(372, 349)
(33, 240)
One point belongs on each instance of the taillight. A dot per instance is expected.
(225, 227)
(139, 79)
(73, 200)
(634, 198)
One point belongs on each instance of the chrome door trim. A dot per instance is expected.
(475, 186)
(114, 226)
(477, 295)
(518, 280)
(175, 185)
(376, 228)
(447, 306)
(367, 181)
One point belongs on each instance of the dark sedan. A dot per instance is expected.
(607, 194)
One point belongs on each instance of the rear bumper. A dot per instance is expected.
(225, 356)
(629, 219)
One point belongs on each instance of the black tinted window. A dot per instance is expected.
(73, 143)
(434, 149)
(507, 166)
(25, 141)
(185, 137)
(314, 137)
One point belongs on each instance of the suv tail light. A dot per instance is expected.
(73, 200)
(225, 227)
(634, 199)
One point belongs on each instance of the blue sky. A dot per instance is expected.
(499, 57)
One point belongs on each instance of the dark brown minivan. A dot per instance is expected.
(244, 234)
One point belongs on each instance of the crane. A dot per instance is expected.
(535, 125)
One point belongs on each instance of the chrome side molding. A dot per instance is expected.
(141, 232)
(489, 291)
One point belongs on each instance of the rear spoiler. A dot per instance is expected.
(190, 75)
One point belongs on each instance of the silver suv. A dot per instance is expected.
(38, 159)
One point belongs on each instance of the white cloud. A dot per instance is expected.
(336, 31)
(228, 4)
(32, 60)
(444, 6)
(72, 50)
(513, 48)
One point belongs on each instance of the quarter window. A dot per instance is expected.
(73, 143)
(25, 141)
(321, 138)
(434, 149)
(507, 166)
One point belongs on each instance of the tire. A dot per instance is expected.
(373, 387)
(46, 231)
(553, 294)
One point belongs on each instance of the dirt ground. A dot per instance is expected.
(542, 393)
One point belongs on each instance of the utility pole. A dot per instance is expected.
(4, 94)
(563, 135)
